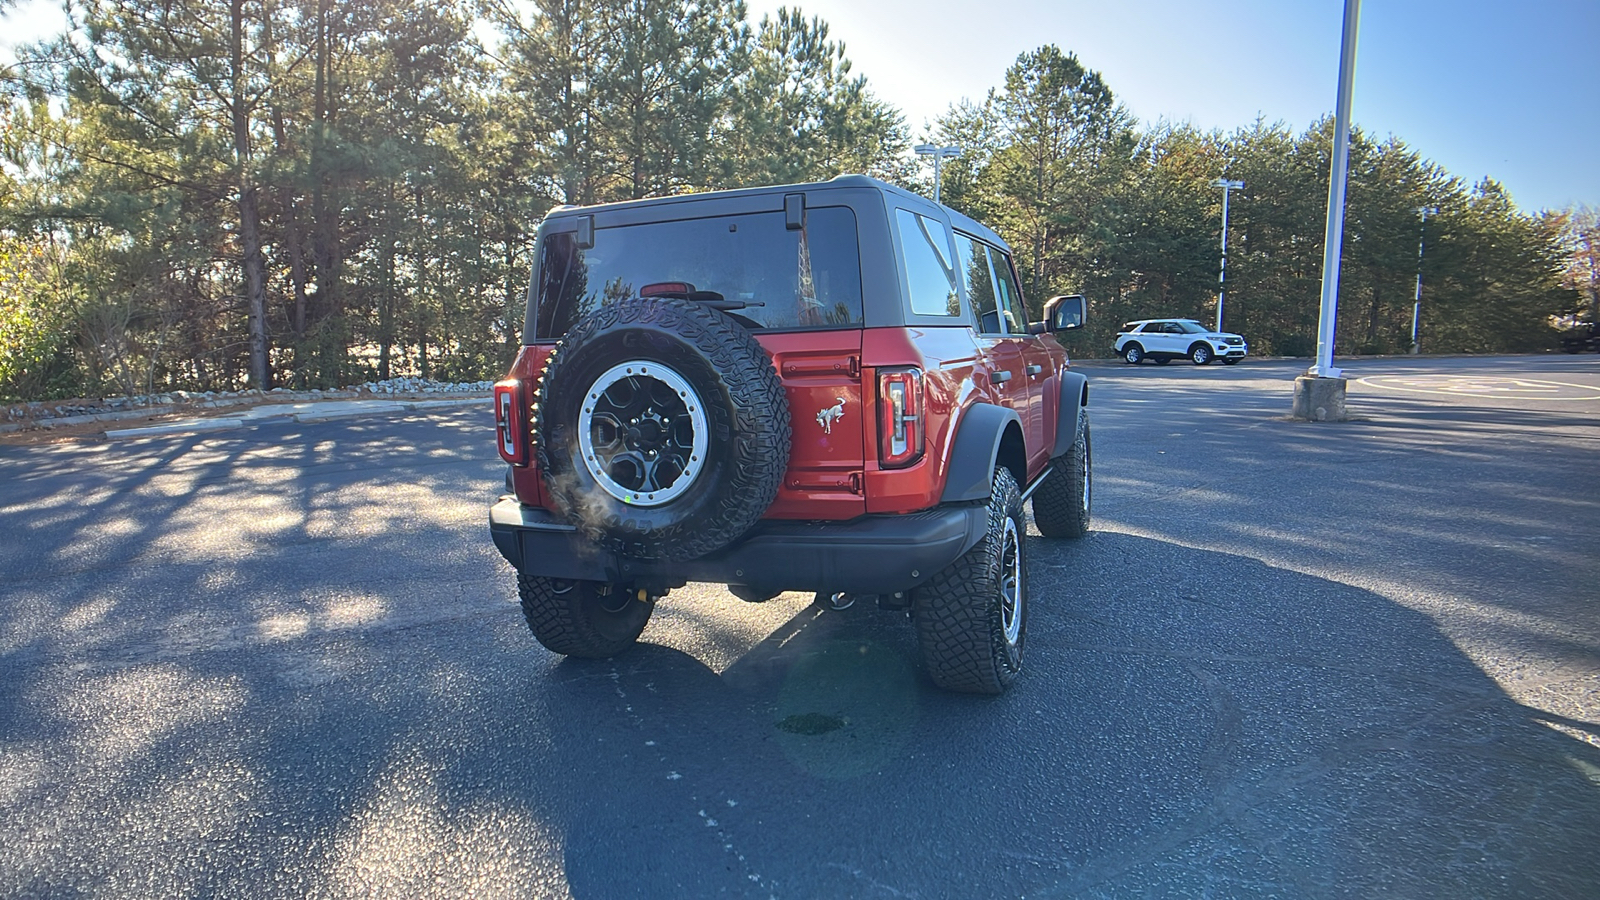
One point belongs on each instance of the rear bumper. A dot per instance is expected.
(869, 555)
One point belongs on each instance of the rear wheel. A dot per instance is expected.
(1133, 354)
(1061, 503)
(972, 617)
(588, 619)
(1200, 354)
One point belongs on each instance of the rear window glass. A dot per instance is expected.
(930, 274)
(808, 278)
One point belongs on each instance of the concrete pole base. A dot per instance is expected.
(1319, 399)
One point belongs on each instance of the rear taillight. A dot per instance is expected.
(511, 421)
(900, 422)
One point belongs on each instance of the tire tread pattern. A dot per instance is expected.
(957, 612)
(573, 623)
(1059, 510)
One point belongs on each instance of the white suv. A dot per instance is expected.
(1165, 340)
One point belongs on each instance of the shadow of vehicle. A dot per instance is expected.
(1304, 737)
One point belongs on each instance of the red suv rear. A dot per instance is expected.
(827, 387)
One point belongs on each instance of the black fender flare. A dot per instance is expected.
(976, 449)
(1074, 399)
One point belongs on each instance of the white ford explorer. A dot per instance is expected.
(1165, 340)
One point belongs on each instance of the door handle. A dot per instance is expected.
(1034, 370)
(1000, 377)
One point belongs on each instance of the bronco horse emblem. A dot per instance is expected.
(832, 414)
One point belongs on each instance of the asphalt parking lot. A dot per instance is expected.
(1293, 660)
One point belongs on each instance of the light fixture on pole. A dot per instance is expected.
(1222, 273)
(1422, 236)
(939, 154)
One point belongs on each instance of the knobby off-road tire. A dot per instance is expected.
(582, 618)
(662, 428)
(1061, 505)
(972, 617)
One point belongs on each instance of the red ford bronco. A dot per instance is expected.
(826, 387)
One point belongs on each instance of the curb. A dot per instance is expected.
(305, 413)
(202, 425)
(195, 402)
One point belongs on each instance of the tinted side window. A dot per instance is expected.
(1011, 308)
(980, 282)
(808, 278)
(930, 274)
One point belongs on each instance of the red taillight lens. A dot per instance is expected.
(900, 421)
(510, 419)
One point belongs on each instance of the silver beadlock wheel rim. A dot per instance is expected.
(1011, 583)
(643, 433)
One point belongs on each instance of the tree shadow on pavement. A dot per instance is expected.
(351, 707)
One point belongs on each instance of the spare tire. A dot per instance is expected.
(662, 428)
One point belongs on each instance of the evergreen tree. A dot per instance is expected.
(219, 195)
(796, 113)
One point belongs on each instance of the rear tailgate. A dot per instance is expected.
(821, 373)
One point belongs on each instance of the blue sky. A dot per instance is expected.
(1509, 89)
(1504, 88)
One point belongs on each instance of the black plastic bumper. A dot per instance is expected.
(869, 555)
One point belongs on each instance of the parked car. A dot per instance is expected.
(1583, 336)
(827, 387)
(1165, 340)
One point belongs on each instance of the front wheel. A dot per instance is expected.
(1061, 502)
(583, 618)
(972, 617)
(1133, 354)
(1230, 360)
(1200, 354)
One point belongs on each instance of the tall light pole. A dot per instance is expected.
(1422, 239)
(1338, 177)
(939, 154)
(1222, 273)
(1319, 394)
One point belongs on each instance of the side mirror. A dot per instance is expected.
(1064, 313)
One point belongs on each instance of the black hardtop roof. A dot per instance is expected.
(957, 220)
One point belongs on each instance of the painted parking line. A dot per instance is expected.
(1488, 388)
